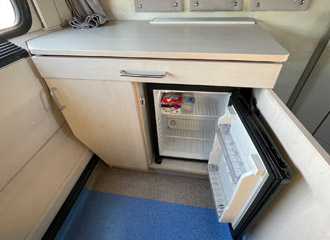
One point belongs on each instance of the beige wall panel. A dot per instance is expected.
(65, 13)
(301, 209)
(298, 32)
(36, 24)
(48, 13)
(27, 118)
(31, 200)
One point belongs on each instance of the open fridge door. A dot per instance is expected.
(245, 168)
(235, 168)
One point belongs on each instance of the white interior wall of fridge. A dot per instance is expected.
(190, 135)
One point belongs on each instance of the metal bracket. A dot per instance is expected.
(220, 20)
(216, 5)
(158, 5)
(279, 5)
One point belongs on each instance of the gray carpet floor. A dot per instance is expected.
(149, 185)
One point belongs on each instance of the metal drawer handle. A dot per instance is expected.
(123, 73)
(52, 93)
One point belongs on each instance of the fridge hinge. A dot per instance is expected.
(142, 101)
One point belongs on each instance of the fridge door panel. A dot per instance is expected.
(243, 195)
(235, 168)
(249, 200)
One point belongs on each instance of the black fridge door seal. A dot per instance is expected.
(183, 159)
(192, 88)
(152, 114)
(261, 135)
(279, 174)
(269, 191)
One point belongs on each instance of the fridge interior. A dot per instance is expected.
(189, 135)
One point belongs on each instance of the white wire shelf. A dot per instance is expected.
(189, 134)
(187, 148)
(204, 107)
(190, 129)
(191, 124)
(232, 156)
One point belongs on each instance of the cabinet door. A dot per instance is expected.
(104, 116)
(304, 200)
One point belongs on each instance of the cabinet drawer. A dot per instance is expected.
(214, 73)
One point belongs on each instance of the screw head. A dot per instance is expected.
(140, 5)
(302, 2)
(196, 4)
(258, 4)
(235, 4)
(176, 4)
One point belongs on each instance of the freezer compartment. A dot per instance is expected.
(189, 134)
(236, 170)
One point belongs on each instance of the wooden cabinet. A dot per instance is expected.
(104, 116)
(104, 112)
(101, 104)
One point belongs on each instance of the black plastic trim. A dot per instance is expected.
(23, 21)
(185, 159)
(10, 53)
(59, 219)
(279, 175)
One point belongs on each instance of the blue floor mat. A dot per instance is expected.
(99, 215)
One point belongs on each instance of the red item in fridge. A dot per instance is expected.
(171, 99)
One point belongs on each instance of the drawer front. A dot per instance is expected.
(214, 73)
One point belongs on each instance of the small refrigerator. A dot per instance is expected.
(221, 126)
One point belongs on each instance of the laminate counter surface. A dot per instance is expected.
(140, 39)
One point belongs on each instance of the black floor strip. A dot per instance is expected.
(71, 199)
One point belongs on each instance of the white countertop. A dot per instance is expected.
(140, 39)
